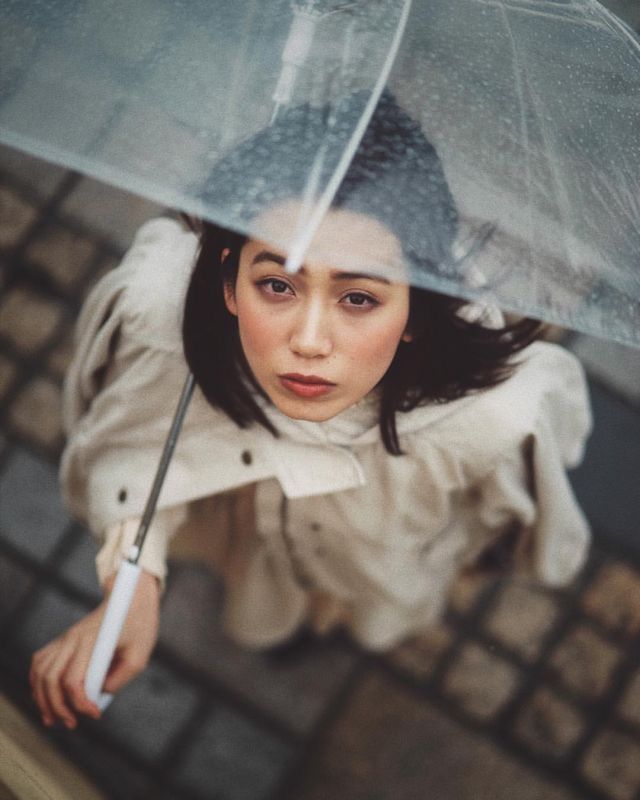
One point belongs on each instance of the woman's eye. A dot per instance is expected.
(359, 300)
(274, 286)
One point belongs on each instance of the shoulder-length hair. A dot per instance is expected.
(447, 358)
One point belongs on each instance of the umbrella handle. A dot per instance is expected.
(110, 629)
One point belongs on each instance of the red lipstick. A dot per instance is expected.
(307, 386)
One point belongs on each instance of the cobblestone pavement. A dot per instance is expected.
(519, 692)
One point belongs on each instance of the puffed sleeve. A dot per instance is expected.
(108, 308)
(528, 518)
(127, 339)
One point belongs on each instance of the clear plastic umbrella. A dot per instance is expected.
(533, 107)
(224, 109)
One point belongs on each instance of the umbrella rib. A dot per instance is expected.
(300, 245)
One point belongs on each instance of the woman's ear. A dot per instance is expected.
(230, 298)
(407, 336)
(228, 288)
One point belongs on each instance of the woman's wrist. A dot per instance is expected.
(147, 579)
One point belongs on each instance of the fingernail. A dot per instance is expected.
(70, 724)
(47, 721)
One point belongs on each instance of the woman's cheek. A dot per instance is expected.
(377, 344)
(371, 352)
(259, 330)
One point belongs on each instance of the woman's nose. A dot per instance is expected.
(311, 337)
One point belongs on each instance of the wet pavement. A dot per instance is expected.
(519, 692)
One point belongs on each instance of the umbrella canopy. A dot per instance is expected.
(503, 151)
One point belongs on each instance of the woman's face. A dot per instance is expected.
(319, 340)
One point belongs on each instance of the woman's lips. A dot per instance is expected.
(306, 385)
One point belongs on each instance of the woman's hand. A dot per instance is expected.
(58, 669)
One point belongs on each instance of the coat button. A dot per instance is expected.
(247, 458)
(122, 495)
(316, 527)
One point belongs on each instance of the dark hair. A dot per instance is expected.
(447, 357)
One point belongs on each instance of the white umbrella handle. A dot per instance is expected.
(109, 634)
(129, 571)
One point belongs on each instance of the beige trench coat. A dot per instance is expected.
(327, 511)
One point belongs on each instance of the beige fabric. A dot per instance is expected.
(220, 532)
(341, 530)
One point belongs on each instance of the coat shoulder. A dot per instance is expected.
(154, 276)
(547, 393)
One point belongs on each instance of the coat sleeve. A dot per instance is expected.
(111, 359)
(95, 338)
(120, 300)
(528, 516)
(118, 538)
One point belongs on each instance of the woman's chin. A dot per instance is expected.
(319, 410)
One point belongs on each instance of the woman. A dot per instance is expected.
(356, 442)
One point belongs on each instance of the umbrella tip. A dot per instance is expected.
(294, 259)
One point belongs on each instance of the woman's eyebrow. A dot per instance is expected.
(354, 276)
(267, 255)
(275, 258)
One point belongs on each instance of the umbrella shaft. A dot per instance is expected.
(165, 458)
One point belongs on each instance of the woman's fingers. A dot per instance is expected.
(58, 670)
(50, 684)
(57, 675)
(39, 664)
(73, 682)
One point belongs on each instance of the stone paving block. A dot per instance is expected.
(109, 772)
(606, 483)
(628, 10)
(389, 745)
(79, 566)
(39, 175)
(4, 272)
(59, 84)
(15, 584)
(32, 516)
(128, 33)
(467, 591)
(28, 319)
(615, 365)
(113, 213)
(522, 617)
(479, 682)
(612, 763)
(60, 358)
(7, 373)
(149, 712)
(37, 412)
(16, 215)
(163, 136)
(613, 598)
(50, 616)
(20, 41)
(549, 725)
(629, 706)
(419, 655)
(62, 253)
(295, 689)
(584, 661)
(232, 759)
